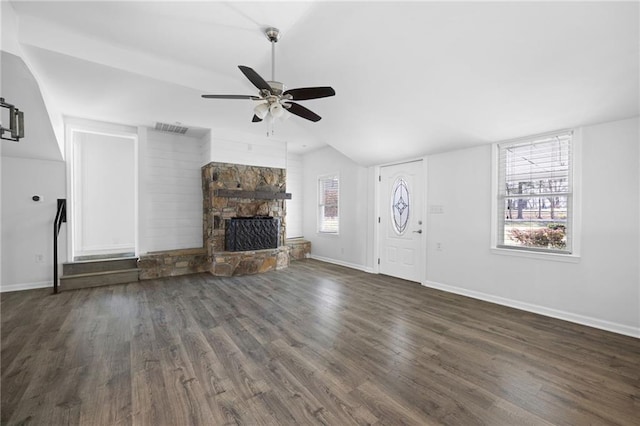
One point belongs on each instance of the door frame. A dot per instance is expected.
(74, 125)
(377, 197)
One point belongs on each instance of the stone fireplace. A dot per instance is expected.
(237, 198)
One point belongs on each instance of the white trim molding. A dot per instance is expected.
(25, 286)
(555, 257)
(73, 126)
(537, 309)
(343, 263)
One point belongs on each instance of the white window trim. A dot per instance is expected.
(318, 220)
(576, 214)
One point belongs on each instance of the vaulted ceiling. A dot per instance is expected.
(411, 78)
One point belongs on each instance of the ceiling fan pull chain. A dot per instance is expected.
(270, 125)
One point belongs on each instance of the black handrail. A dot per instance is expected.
(61, 217)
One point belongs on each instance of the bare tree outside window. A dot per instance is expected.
(535, 203)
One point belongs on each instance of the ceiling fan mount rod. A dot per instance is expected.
(273, 35)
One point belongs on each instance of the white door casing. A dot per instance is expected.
(401, 223)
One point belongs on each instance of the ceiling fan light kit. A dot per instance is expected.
(261, 110)
(276, 110)
(275, 100)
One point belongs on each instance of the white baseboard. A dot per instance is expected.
(114, 249)
(537, 309)
(342, 263)
(25, 286)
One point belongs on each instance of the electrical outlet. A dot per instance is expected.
(439, 246)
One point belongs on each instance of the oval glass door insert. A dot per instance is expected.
(400, 206)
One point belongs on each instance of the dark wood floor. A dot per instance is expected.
(316, 343)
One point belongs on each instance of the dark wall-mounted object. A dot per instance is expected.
(254, 195)
(36, 198)
(16, 123)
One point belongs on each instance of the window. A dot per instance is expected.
(535, 194)
(328, 197)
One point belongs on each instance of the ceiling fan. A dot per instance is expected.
(275, 100)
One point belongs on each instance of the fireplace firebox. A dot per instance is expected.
(251, 233)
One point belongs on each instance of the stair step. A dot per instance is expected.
(89, 266)
(97, 279)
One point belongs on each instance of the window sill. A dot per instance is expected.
(328, 234)
(556, 257)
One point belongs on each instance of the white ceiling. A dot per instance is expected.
(411, 78)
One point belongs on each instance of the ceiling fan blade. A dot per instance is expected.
(256, 119)
(254, 98)
(304, 93)
(301, 111)
(255, 78)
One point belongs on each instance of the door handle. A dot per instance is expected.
(419, 231)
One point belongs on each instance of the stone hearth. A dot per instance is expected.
(299, 248)
(235, 190)
(172, 263)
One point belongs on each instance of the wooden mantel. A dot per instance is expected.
(255, 195)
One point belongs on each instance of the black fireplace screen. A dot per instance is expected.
(251, 233)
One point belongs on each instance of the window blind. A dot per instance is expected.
(535, 193)
(329, 193)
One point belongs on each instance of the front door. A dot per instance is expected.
(401, 223)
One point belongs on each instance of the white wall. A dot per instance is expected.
(602, 289)
(294, 205)
(352, 246)
(21, 88)
(237, 147)
(171, 182)
(205, 149)
(9, 35)
(27, 226)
